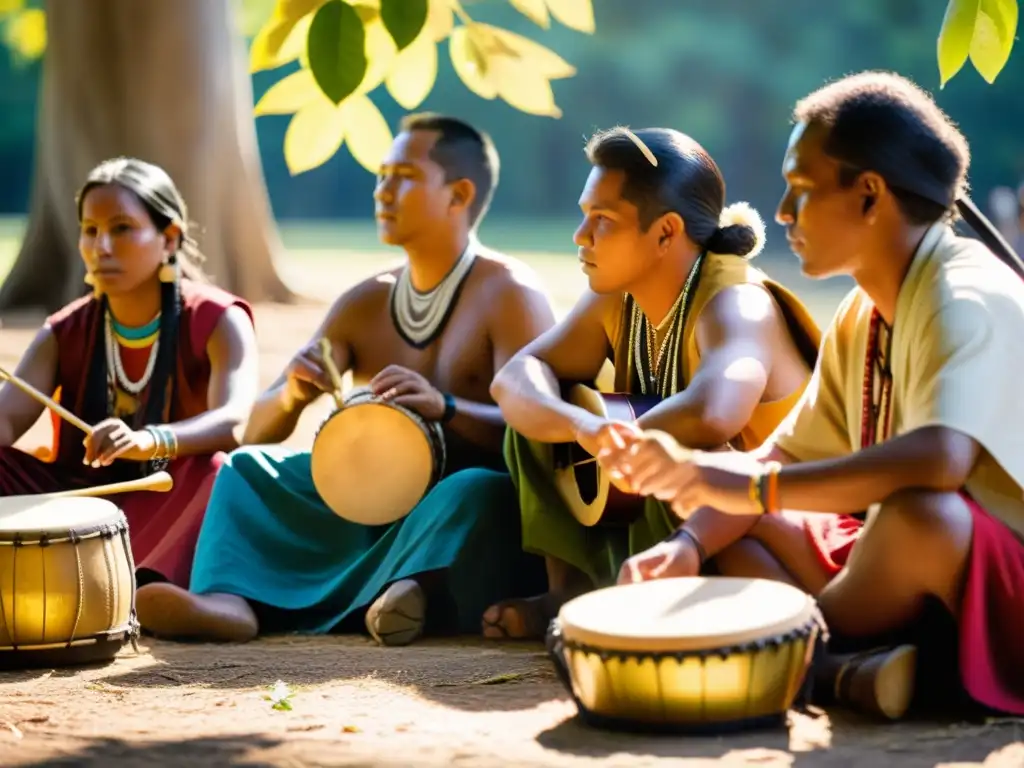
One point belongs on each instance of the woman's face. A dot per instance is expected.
(121, 246)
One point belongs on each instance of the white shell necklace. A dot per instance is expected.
(419, 317)
(115, 369)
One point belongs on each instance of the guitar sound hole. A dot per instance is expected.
(586, 482)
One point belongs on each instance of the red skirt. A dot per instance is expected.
(163, 527)
(991, 625)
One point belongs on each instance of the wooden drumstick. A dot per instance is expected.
(332, 370)
(34, 393)
(158, 481)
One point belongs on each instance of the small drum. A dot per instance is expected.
(591, 496)
(67, 582)
(373, 461)
(698, 655)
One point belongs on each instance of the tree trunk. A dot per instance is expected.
(165, 82)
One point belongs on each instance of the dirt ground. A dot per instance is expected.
(440, 703)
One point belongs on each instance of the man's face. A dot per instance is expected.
(825, 221)
(411, 197)
(614, 253)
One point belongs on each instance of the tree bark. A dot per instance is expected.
(165, 82)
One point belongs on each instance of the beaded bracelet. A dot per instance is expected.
(768, 487)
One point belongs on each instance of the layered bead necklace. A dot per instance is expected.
(420, 316)
(647, 355)
(123, 391)
(876, 395)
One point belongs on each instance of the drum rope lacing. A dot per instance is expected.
(420, 316)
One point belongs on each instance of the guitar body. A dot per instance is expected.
(588, 492)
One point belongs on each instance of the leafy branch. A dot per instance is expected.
(982, 30)
(346, 49)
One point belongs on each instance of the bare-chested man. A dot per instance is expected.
(428, 335)
(676, 305)
(913, 414)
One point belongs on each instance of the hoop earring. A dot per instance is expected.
(168, 271)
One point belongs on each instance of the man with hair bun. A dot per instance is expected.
(676, 306)
(908, 435)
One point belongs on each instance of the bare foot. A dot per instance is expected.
(521, 618)
(169, 611)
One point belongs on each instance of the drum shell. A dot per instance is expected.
(730, 688)
(74, 587)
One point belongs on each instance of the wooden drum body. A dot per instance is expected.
(591, 496)
(67, 581)
(373, 461)
(699, 655)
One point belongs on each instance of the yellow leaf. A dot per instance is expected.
(369, 137)
(250, 15)
(535, 10)
(525, 89)
(495, 41)
(414, 72)
(440, 19)
(289, 94)
(25, 33)
(575, 14)
(381, 53)
(10, 6)
(273, 44)
(470, 63)
(954, 43)
(314, 135)
(994, 30)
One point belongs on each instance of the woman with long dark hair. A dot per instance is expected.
(162, 364)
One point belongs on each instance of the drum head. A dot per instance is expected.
(27, 516)
(371, 463)
(684, 614)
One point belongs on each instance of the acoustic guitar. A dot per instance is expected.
(591, 495)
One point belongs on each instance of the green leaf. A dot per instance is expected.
(955, 37)
(403, 19)
(337, 50)
(992, 42)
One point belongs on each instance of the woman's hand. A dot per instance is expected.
(112, 439)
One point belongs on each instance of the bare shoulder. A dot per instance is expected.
(743, 304)
(365, 297)
(499, 274)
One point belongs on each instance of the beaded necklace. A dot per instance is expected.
(875, 414)
(654, 378)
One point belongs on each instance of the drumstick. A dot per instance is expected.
(34, 393)
(158, 481)
(332, 370)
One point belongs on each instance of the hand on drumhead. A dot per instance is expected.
(409, 389)
(112, 439)
(669, 559)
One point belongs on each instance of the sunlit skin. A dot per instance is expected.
(123, 251)
(417, 210)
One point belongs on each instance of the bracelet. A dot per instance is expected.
(166, 442)
(702, 553)
(449, 407)
(768, 487)
(754, 491)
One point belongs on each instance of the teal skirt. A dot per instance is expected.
(268, 537)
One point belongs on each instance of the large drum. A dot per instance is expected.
(67, 582)
(588, 492)
(687, 654)
(373, 461)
